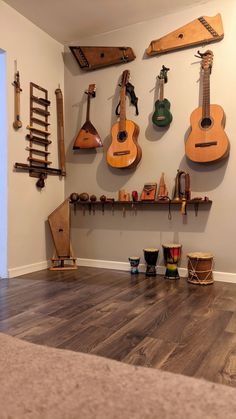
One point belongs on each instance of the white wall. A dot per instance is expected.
(111, 236)
(40, 60)
(3, 167)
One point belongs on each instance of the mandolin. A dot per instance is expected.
(162, 116)
(124, 150)
(207, 141)
(88, 136)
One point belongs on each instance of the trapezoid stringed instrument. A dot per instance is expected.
(88, 136)
(91, 58)
(207, 141)
(162, 116)
(124, 150)
(200, 31)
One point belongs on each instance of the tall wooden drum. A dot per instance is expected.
(200, 267)
(172, 255)
(150, 256)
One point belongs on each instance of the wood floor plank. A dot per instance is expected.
(153, 322)
(219, 364)
(150, 352)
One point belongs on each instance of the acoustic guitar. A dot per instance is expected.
(124, 150)
(207, 141)
(88, 136)
(162, 116)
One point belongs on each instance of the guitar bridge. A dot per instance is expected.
(121, 153)
(206, 144)
(160, 118)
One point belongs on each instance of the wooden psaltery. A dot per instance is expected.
(88, 136)
(59, 221)
(203, 30)
(90, 58)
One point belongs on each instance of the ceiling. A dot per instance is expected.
(71, 20)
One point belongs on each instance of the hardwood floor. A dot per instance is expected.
(156, 323)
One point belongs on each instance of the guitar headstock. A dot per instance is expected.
(125, 78)
(207, 60)
(163, 74)
(91, 90)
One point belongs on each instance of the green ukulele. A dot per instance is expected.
(162, 116)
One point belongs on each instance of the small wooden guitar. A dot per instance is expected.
(207, 141)
(88, 136)
(162, 116)
(124, 150)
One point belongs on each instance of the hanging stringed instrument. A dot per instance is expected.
(17, 122)
(207, 141)
(88, 136)
(162, 116)
(124, 150)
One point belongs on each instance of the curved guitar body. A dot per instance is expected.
(124, 150)
(162, 116)
(207, 141)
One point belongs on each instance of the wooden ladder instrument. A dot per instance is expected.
(124, 150)
(207, 141)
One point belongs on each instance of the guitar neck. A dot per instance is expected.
(122, 109)
(161, 97)
(88, 108)
(206, 94)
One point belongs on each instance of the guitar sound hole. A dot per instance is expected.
(206, 122)
(122, 135)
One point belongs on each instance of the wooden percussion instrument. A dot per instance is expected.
(150, 256)
(172, 254)
(200, 267)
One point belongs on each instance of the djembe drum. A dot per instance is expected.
(200, 266)
(172, 255)
(134, 262)
(150, 256)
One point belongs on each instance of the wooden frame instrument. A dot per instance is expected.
(60, 131)
(88, 136)
(124, 150)
(91, 58)
(17, 123)
(162, 116)
(200, 31)
(207, 141)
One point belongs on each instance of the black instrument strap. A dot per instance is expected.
(133, 98)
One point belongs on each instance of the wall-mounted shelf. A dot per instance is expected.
(164, 204)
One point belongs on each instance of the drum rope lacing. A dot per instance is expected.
(193, 272)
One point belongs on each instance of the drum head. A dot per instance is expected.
(200, 255)
(172, 246)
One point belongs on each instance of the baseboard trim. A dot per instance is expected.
(111, 264)
(27, 269)
(125, 266)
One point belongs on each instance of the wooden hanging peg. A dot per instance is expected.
(203, 30)
(59, 221)
(17, 122)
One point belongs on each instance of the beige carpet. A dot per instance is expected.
(40, 382)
